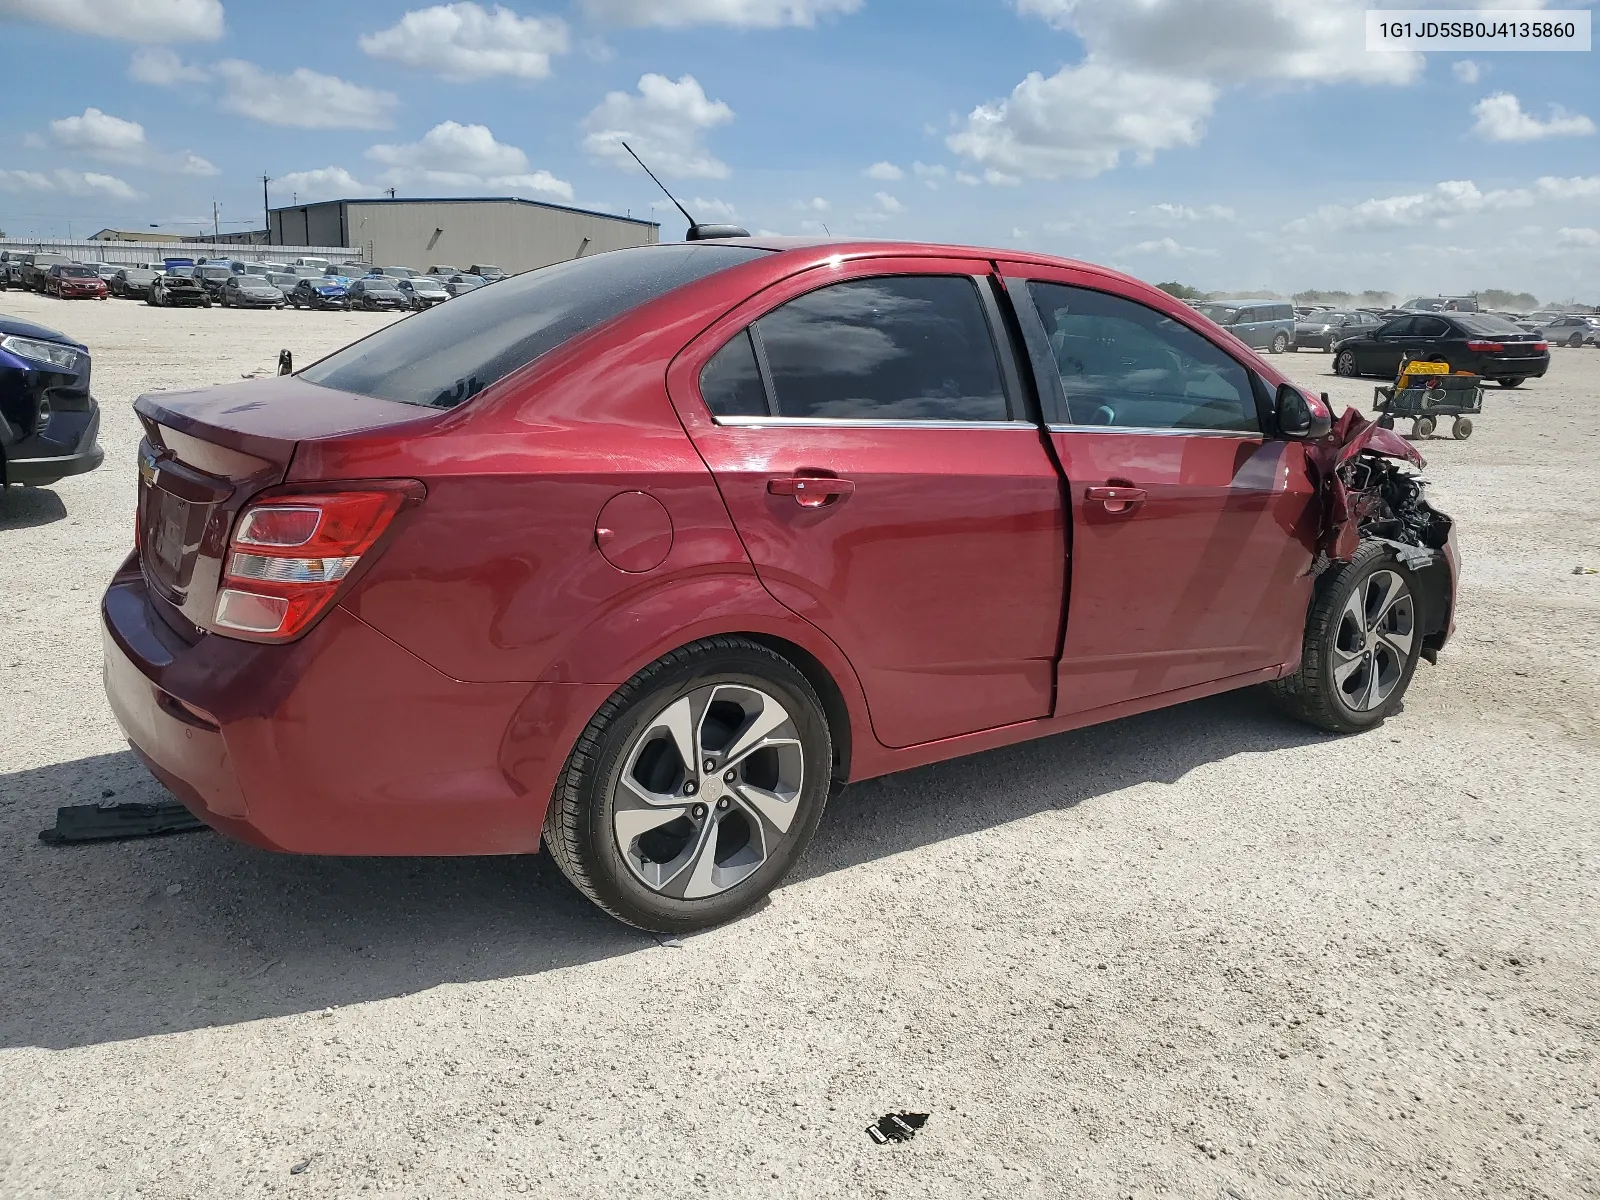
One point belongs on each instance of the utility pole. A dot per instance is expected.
(266, 212)
(391, 193)
(216, 225)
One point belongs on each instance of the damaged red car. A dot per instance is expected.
(641, 556)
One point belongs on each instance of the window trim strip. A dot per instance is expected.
(870, 423)
(1163, 431)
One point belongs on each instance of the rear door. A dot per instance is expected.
(1192, 529)
(865, 426)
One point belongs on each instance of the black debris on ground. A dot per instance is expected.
(896, 1127)
(114, 822)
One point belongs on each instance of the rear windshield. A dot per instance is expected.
(450, 353)
(1485, 323)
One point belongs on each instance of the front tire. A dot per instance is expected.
(1362, 639)
(674, 845)
(1280, 343)
(1345, 364)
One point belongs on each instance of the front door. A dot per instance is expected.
(1192, 530)
(1382, 355)
(875, 456)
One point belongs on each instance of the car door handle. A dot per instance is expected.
(811, 491)
(1117, 499)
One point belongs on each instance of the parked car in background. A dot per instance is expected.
(461, 284)
(1442, 304)
(74, 281)
(284, 281)
(422, 292)
(173, 290)
(247, 291)
(1321, 330)
(441, 269)
(375, 293)
(6, 259)
(212, 277)
(184, 270)
(1259, 324)
(106, 271)
(36, 269)
(351, 270)
(1573, 329)
(486, 272)
(326, 291)
(311, 261)
(581, 476)
(132, 283)
(394, 272)
(1476, 342)
(49, 422)
(257, 268)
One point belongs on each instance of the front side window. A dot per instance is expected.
(450, 353)
(900, 348)
(1430, 327)
(1399, 327)
(1123, 364)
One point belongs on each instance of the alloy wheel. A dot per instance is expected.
(708, 791)
(1374, 640)
(1345, 363)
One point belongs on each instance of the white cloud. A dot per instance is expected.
(967, 178)
(888, 203)
(1578, 187)
(73, 183)
(1452, 198)
(126, 20)
(712, 209)
(161, 66)
(744, 14)
(885, 172)
(1167, 248)
(1081, 120)
(1182, 214)
(1583, 238)
(303, 99)
(323, 183)
(815, 204)
(464, 42)
(1466, 71)
(665, 122)
(1000, 178)
(1500, 119)
(464, 156)
(111, 139)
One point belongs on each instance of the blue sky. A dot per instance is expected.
(1226, 143)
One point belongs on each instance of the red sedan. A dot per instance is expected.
(71, 281)
(640, 556)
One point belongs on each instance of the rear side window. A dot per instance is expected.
(900, 348)
(1430, 327)
(1126, 365)
(731, 381)
(450, 353)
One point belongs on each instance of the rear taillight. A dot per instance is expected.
(1541, 345)
(1485, 347)
(291, 553)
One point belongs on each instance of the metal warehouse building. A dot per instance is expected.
(514, 235)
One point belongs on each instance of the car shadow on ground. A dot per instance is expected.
(120, 940)
(29, 507)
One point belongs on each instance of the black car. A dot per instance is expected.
(1573, 329)
(36, 269)
(462, 283)
(1485, 345)
(213, 277)
(250, 291)
(326, 291)
(49, 423)
(132, 283)
(1320, 330)
(177, 291)
(377, 292)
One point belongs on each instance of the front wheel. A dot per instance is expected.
(1280, 343)
(1345, 364)
(1515, 381)
(695, 787)
(1362, 640)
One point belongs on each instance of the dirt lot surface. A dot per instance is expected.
(1201, 953)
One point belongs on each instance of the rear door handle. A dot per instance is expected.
(811, 491)
(1117, 499)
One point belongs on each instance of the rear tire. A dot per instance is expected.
(1362, 639)
(1280, 343)
(1345, 364)
(626, 824)
(1510, 383)
(1423, 427)
(1575, 341)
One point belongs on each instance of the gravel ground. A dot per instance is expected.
(1199, 953)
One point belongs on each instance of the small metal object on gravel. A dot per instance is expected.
(896, 1127)
(114, 822)
(299, 1167)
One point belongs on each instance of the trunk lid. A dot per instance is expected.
(206, 453)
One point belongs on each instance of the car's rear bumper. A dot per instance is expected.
(339, 743)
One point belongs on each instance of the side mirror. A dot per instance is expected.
(1299, 418)
(285, 363)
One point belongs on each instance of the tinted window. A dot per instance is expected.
(453, 351)
(1430, 327)
(1490, 326)
(1123, 364)
(1397, 327)
(1222, 314)
(906, 347)
(731, 381)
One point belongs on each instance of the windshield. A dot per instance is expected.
(453, 351)
(426, 285)
(1484, 323)
(78, 272)
(215, 273)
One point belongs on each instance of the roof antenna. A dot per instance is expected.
(697, 232)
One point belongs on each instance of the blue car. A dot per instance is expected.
(49, 423)
(326, 291)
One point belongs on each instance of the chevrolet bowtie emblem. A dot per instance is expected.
(149, 472)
